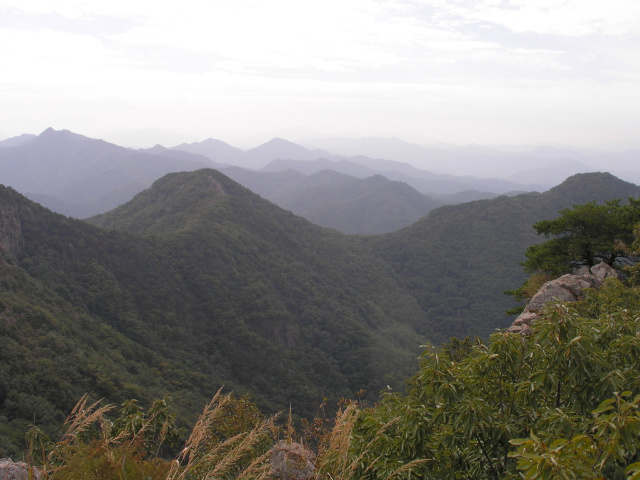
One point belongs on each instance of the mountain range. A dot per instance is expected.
(81, 177)
(199, 282)
(546, 165)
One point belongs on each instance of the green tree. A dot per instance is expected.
(583, 235)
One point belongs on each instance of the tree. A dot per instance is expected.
(583, 236)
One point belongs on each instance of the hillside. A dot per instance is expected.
(459, 259)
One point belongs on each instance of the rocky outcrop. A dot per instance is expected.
(291, 461)
(567, 288)
(10, 229)
(17, 471)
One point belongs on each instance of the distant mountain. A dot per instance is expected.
(472, 160)
(425, 182)
(182, 155)
(469, 196)
(372, 205)
(217, 151)
(544, 176)
(279, 154)
(280, 149)
(15, 141)
(80, 176)
(309, 167)
(255, 158)
(350, 205)
(373, 147)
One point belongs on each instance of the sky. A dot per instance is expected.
(242, 71)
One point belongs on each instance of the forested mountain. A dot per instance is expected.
(208, 285)
(80, 176)
(459, 259)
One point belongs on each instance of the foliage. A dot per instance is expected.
(560, 403)
(583, 235)
(632, 250)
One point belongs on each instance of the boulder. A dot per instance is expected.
(10, 470)
(567, 288)
(291, 461)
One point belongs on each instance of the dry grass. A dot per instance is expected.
(82, 418)
(244, 456)
(78, 452)
(208, 461)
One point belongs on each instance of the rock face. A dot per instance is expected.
(10, 229)
(567, 288)
(17, 471)
(291, 461)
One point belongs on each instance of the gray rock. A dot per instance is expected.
(10, 470)
(291, 461)
(567, 288)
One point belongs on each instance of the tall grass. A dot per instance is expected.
(91, 448)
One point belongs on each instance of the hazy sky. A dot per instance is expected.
(486, 71)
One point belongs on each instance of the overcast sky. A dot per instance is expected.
(486, 71)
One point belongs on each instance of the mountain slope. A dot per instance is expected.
(214, 277)
(459, 259)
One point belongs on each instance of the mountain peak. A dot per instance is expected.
(280, 141)
(594, 185)
(177, 201)
(63, 135)
(51, 131)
